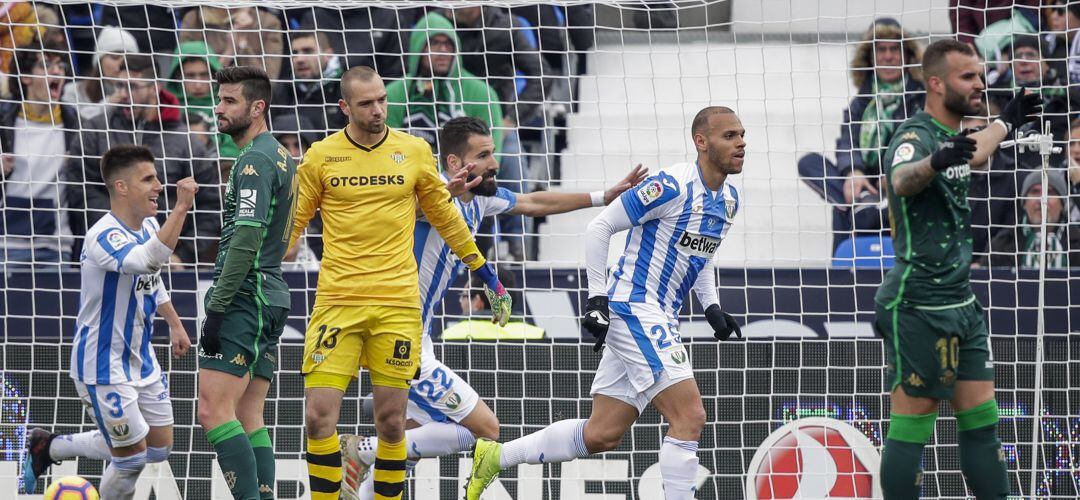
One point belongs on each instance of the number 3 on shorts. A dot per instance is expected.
(117, 409)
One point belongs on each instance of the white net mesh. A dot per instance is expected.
(585, 91)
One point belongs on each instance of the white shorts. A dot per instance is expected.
(439, 394)
(125, 413)
(644, 355)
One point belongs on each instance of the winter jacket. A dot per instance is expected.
(366, 36)
(201, 108)
(421, 105)
(315, 100)
(178, 155)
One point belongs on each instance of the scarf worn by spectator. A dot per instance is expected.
(1031, 249)
(877, 119)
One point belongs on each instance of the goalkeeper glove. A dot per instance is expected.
(1024, 107)
(500, 300)
(723, 324)
(595, 319)
(956, 150)
(210, 339)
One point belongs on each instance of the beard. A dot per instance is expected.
(726, 165)
(371, 127)
(961, 104)
(487, 187)
(236, 126)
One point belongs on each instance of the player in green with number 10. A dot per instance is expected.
(249, 302)
(937, 344)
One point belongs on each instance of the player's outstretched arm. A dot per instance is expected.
(543, 203)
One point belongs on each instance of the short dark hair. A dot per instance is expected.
(120, 158)
(701, 119)
(934, 59)
(321, 39)
(254, 82)
(454, 136)
(361, 73)
(139, 63)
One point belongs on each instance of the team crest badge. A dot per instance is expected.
(453, 401)
(729, 206)
(398, 157)
(318, 357)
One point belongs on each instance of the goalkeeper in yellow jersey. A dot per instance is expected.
(366, 180)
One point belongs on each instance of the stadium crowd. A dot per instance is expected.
(81, 78)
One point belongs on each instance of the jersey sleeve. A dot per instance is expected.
(442, 213)
(254, 186)
(648, 200)
(909, 147)
(309, 193)
(504, 201)
(117, 250)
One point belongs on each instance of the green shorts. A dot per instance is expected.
(928, 350)
(249, 339)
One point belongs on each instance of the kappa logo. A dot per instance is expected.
(814, 458)
(249, 170)
(265, 489)
(239, 359)
(915, 381)
(909, 136)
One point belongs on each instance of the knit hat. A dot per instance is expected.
(114, 41)
(1057, 183)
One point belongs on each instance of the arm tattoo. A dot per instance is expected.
(911, 179)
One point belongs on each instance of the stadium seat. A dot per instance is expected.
(863, 252)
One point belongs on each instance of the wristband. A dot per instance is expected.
(597, 198)
(491, 279)
(1001, 122)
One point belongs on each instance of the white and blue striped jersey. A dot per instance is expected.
(436, 262)
(120, 292)
(677, 225)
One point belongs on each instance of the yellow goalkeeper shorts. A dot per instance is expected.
(342, 338)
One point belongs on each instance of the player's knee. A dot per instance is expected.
(692, 421)
(318, 421)
(599, 441)
(157, 454)
(487, 428)
(390, 423)
(251, 419)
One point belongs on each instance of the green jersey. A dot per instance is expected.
(931, 230)
(262, 193)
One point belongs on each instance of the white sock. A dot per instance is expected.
(678, 468)
(561, 441)
(118, 481)
(427, 441)
(84, 444)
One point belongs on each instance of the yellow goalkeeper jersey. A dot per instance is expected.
(367, 196)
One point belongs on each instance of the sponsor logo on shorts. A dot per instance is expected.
(915, 381)
(120, 429)
(163, 396)
(453, 401)
(270, 357)
(814, 458)
(402, 348)
(202, 354)
(239, 359)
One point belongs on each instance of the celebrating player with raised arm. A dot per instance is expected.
(447, 411)
(367, 179)
(677, 219)
(935, 337)
(247, 307)
(116, 373)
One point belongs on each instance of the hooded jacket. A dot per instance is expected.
(178, 156)
(421, 104)
(202, 107)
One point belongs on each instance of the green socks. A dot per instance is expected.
(901, 474)
(982, 459)
(236, 459)
(264, 461)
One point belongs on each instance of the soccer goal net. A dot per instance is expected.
(577, 94)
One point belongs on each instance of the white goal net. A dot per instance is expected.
(582, 92)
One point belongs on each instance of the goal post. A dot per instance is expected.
(798, 405)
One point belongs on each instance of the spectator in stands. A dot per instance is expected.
(1054, 28)
(34, 131)
(190, 79)
(365, 36)
(890, 89)
(1074, 172)
(315, 89)
(242, 36)
(154, 26)
(1021, 246)
(18, 28)
(297, 134)
(970, 17)
(86, 92)
(148, 115)
(436, 88)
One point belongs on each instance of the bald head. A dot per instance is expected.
(701, 119)
(362, 74)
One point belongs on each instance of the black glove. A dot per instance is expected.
(956, 150)
(595, 319)
(723, 324)
(209, 339)
(1023, 108)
